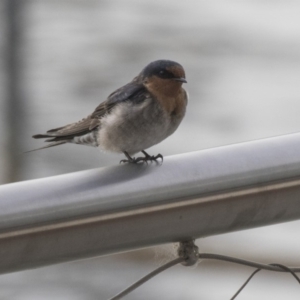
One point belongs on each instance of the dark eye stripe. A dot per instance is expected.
(165, 74)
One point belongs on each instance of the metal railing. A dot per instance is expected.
(124, 207)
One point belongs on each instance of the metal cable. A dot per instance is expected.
(188, 245)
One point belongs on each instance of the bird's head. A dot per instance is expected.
(164, 76)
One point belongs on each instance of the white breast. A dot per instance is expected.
(134, 127)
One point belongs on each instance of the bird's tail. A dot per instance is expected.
(48, 146)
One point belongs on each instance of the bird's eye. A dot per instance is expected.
(164, 74)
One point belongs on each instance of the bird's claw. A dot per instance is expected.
(144, 159)
(130, 161)
(153, 158)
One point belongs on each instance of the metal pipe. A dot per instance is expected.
(123, 207)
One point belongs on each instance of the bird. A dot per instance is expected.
(134, 117)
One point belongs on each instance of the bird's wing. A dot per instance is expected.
(130, 91)
(133, 91)
(69, 131)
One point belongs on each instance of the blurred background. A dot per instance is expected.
(59, 59)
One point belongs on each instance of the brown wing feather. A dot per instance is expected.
(68, 132)
(71, 130)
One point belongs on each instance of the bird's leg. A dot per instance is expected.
(151, 158)
(145, 159)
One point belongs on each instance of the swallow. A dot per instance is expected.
(133, 118)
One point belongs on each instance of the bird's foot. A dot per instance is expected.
(130, 160)
(151, 157)
(143, 159)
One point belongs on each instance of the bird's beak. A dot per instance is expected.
(180, 79)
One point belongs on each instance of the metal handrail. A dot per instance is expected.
(124, 207)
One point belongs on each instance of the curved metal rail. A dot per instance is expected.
(124, 207)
